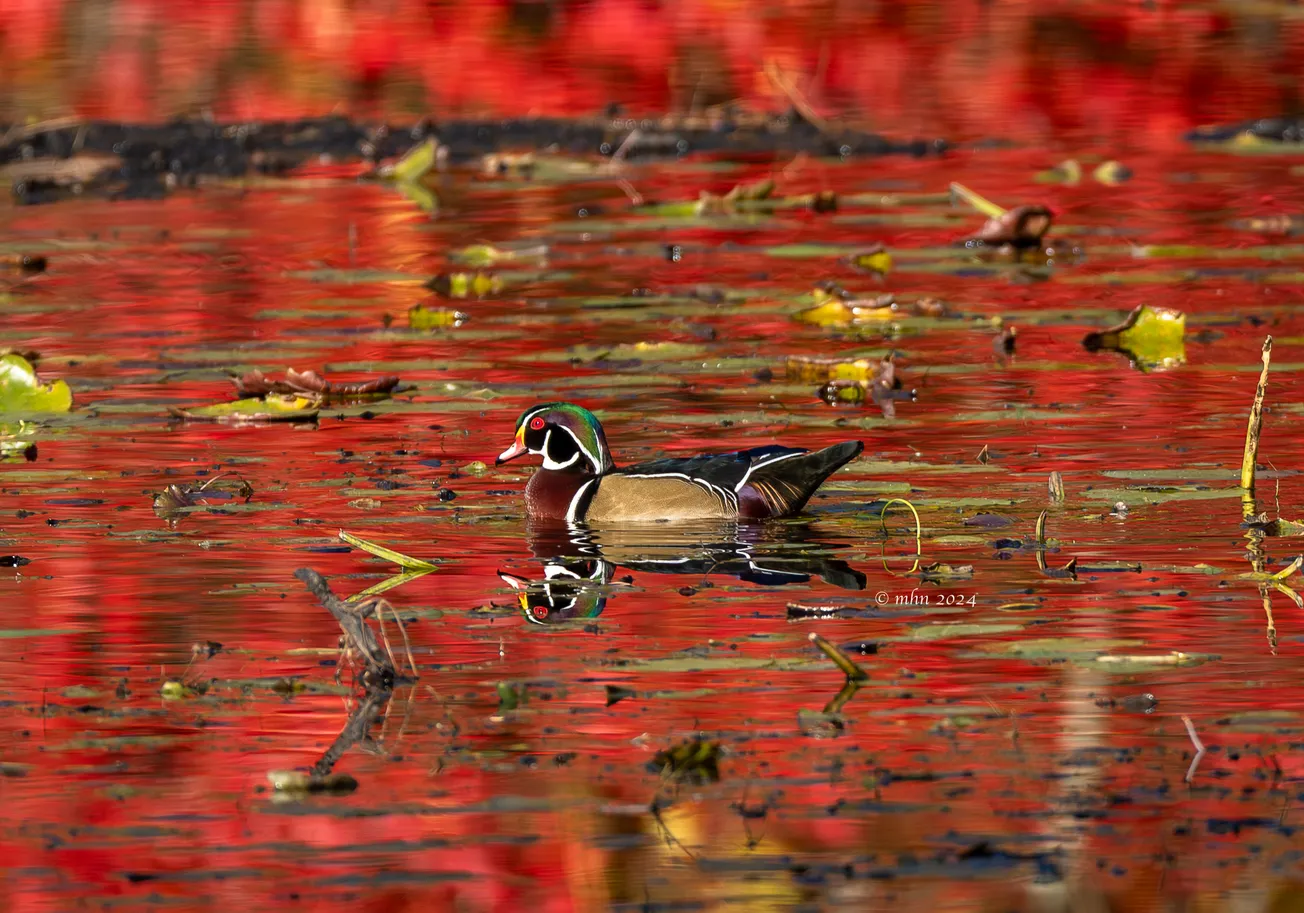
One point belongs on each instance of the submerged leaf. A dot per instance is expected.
(1066, 172)
(21, 390)
(696, 761)
(248, 411)
(487, 255)
(1154, 338)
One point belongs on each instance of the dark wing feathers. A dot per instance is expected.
(782, 487)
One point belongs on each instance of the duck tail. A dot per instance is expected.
(782, 486)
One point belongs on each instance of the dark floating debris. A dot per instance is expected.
(23, 263)
(171, 503)
(1020, 227)
(310, 383)
(14, 561)
(696, 762)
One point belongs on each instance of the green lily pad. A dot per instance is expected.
(244, 411)
(22, 391)
(421, 317)
(1154, 338)
(948, 631)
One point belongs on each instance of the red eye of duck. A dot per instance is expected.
(537, 424)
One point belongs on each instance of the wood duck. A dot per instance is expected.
(579, 481)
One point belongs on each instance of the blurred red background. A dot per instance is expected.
(1127, 73)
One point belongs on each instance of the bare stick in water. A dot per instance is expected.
(1256, 422)
(1195, 740)
(840, 659)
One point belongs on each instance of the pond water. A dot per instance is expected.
(1020, 741)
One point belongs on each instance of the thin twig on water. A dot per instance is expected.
(1199, 748)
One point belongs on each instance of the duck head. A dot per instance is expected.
(568, 437)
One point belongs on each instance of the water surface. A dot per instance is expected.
(1002, 753)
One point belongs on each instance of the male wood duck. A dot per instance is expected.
(580, 483)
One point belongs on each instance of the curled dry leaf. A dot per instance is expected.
(1022, 226)
(852, 382)
(310, 383)
(171, 502)
(23, 263)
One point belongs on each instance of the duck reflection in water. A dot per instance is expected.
(580, 564)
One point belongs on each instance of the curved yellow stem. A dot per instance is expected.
(919, 534)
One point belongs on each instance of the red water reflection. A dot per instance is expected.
(993, 766)
(1135, 74)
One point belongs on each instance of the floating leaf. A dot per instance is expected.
(1154, 338)
(1022, 226)
(812, 370)
(21, 390)
(176, 691)
(1283, 527)
(940, 571)
(421, 317)
(874, 260)
(1112, 173)
(487, 255)
(249, 411)
(465, 285)
(16, 440)
(304, 783)
(1066, 172)
(414, 165)
(310, 383)
(931, 632)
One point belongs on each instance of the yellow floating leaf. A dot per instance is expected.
(270, 409)
(1155, 338)
(806, 369)
(422, 318)
(1112, 173)
(876, 261)
(413, 166)
(21, 390)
